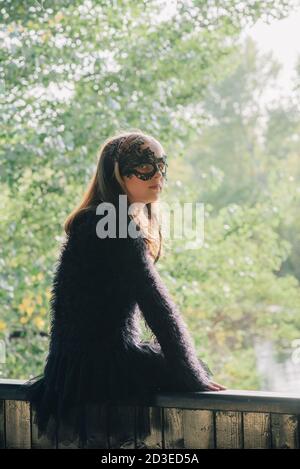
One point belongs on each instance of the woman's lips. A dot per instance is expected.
(156, 187)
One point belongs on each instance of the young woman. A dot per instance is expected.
(100, 286)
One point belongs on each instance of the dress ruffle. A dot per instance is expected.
(77, 386)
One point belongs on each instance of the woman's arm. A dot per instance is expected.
(162, 315)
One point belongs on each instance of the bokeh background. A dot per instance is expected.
(218, 83)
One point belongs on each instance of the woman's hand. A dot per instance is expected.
(213, 386)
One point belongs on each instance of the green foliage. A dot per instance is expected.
(74, 72)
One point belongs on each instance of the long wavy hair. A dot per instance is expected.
(107, 184)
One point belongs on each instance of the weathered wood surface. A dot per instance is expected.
(230, 419)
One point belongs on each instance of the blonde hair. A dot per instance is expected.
(105, 187)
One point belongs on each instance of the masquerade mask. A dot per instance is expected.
(140, 162)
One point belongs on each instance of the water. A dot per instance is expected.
(277, 376)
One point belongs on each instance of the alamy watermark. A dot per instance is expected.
(178, 220)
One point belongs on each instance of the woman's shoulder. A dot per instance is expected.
(118, 233)
(81, 218)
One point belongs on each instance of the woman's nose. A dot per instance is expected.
(158, 173)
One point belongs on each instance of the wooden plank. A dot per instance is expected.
(17, 423)
(173, 436)
(2, 424)
(229, 400)
(178, 414)
(257, 431)
(285, 431)
(42, 441)
(96, 424)
(11, 389)
(148, 427)
(198, 429)
(121, 426)
(229, 430)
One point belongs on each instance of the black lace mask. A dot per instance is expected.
(140, 162)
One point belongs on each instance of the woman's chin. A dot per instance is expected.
(153, 198)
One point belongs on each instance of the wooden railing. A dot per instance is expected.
(223, 419)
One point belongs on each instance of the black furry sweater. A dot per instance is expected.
(100, 287)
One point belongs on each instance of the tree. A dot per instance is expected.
(72, 73)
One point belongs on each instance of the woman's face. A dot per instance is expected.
(141, 191)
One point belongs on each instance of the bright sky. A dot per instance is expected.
(282, 37)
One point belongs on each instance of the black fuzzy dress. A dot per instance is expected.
(95, 355)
